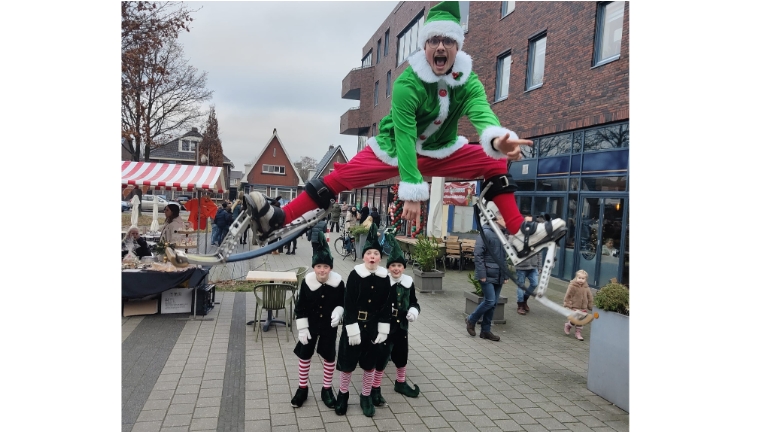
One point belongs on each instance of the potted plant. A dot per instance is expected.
(474, 297)
(608, 367)
(425, 274)
(359, 233)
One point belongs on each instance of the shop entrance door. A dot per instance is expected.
(600, 237)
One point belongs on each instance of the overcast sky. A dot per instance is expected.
(280, 65)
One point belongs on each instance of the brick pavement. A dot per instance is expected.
(534, 379)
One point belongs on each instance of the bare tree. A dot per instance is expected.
(161, 93)
(210, 147)
(304, 165)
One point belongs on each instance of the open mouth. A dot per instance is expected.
(440, 61)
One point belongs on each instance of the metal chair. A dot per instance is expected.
(274, 297)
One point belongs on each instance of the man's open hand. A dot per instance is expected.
(510, 147)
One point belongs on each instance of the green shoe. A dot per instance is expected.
(404, 388)
(341, 403)
(300, 397)
(378, 399)
(326, 394)
(366, 403)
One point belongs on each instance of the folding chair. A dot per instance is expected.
(274, 297)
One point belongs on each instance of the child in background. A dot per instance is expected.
(578, 297)
(321, 292)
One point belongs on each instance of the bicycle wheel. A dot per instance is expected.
(339, 246)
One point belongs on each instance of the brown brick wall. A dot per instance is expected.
(280, 158)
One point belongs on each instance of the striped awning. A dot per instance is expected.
(173, 176)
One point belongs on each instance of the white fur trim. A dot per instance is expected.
(312, 282)
(445, 107)
(384, 328)
(381, 154)
(353, 329)
(462, 63)
(441, 28)
(423, 70)
(413, 192)
(364, 272)
(302, 323)
(406, 281)
(443, 152)
(489, 134)
(334, 279)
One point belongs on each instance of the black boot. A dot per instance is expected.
(341, 403)
(366, 403)
(521, 308)
(525, 303)
(378, 399)
(404, 388)
(300, 397)
(326, 394)
(266, 218)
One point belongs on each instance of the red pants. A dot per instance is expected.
(469, 162)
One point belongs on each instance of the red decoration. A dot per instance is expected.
(422, 137)
(443, 92)
(437, 122)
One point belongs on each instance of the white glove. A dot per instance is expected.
(304, 336)
(353, 331)
(380, 338)
(412, 314)
(383, 332)
(336, 316)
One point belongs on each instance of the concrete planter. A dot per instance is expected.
(428, 282)
(472, 300)
(608, 367)
(359, 244)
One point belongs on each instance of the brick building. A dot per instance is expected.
(554, 72)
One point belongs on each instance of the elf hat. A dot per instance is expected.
(443, 20)
(372, 241)
(396, 254)
(323, 254)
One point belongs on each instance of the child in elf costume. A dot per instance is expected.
(578, 297)
(367, 308)
(419, 138)
(405, 309)
(319, 308)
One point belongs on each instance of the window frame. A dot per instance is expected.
(191, 145)
(376, 94)
(368, 57)
(499, 70)
(273, 169)
(378, 51)
(505, 8)
(599, 29)
(389, 83)
(417, 22)
(386, 43)
(464, 21)
(530, 67)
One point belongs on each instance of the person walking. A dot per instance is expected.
(491, 276)
(335, 215)
(314, 235)
(578, 297)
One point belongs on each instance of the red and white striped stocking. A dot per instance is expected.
(303, 372)
(401, 374)
(328, 373)
(377, 374)
(344, 379)
(367, 382)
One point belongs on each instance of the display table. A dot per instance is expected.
(141, 283)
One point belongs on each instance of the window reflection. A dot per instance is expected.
(552, 184)
(529, 152)
(555, 145)
(604, 138)
(604, 183)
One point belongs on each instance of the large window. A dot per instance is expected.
(536, 49)
(464, 11)
(376, 94)
(389, 83)
(555, 145)
(507, 8)
(502, 76)
(378, 51)
(187, 146)
(610, 22)
(367, 59)
(273, 169)
(608, 137)
(408, 40)
(386, 43)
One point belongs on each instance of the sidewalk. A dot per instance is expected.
(213, 376)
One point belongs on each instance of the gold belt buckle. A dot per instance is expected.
(394, 312)
(362, 315)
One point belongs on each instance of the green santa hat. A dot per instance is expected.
(443, 20)
(396, 254)
(372, 241)
(323, 254)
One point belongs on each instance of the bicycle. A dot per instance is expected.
(345, 246)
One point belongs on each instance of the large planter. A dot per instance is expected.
(360, 244)
(608, 367)
(472, 300)
(428, 282)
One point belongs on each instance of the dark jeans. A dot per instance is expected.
(491, 294)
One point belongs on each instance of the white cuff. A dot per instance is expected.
(383, 328)
(302, 323)
(353, 329)
(487, 137)
(413, 191)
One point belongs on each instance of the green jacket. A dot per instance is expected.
(424, 119)
(403, 297)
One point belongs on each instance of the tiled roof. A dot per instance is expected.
(170, 150)
(327, 159)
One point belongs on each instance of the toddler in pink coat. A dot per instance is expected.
(578, 297)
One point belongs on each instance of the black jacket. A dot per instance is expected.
(223, 219)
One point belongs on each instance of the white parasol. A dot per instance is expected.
(155, 225)
(136, 210)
